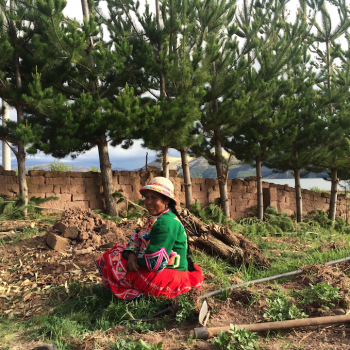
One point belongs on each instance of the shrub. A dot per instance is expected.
(281, 309)
(322, 293)
(339, 224)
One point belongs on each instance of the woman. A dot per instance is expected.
(155, 261)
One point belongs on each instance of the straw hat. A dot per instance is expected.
(161, 185)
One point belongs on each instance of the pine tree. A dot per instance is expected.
(22, 54)
(334, 90)
(279, 46)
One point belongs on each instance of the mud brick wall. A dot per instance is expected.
(85, 189)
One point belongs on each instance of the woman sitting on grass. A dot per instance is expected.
(155, 260)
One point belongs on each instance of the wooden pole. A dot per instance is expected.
(205, 333)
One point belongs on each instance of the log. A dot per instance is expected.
(205, 333)
(221, 241)
(8, 235)
(6, 226)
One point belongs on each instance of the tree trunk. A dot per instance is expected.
(21, 153)
(259, 188)
(6, 151)
(187, 178)
(298, 196)
(222, 178)
(107, 177)
(165, 150)
(334, 191)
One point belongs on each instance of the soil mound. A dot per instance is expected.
(82, 230)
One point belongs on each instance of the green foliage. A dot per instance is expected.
(12, 207)
(130, 344)
(60, 166)
(95, 169)
(237, 339)
(185, 310)
(316, 189)
(322, 293)
(281, 309)
(133, 210)
(339, 224)
(211, 213)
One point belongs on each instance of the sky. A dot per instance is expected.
(131, 159)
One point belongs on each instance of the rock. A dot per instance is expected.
(60, 244)
(66, 230)
(339, 311)
(83, 236)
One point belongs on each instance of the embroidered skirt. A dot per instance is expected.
(128, 285)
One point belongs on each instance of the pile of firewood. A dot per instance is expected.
(221, 241)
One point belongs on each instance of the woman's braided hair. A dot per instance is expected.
(172, 207)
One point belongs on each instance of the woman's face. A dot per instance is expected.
(155, 202)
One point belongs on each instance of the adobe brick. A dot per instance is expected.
(76, 181)
(65, 197)
(10, 179)
(40, 188)
(33, 173)
(9, 173)
(265, 184)
(198, 180)
(96, 204)
(58, 181)
(83, 197)
(325, 195)
(83, 204)
(51, 174)
(92, 190)
(37, 180)
(240, 203)
(251, 189)
(249, 196)
(57, 243)
(74, 174)
(124, 173)
(128, 180)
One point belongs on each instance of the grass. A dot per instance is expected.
(87, 309)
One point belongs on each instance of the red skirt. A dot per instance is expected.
(128, 285)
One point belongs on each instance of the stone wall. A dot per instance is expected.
(85, 189)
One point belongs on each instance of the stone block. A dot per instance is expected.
(83, 204)
(249, 196)
(96, 204)
(91, 174)
(83, 197)
(10, 179)
(238, 189)
(94, 190)
(40, 188)
(37, 180)
(60, 244)
(66, 197)
(240, 203)
(198, 180)
(251, 189)
(9, 173)
(52, 174)
(33, 173)
(74, 174)
(76, 181)
(58, 181)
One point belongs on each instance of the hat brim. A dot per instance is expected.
(160, 190)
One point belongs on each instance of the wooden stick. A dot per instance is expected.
(205, 333)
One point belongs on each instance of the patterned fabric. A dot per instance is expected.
(128, 285)
(157, 261)
(139, 240)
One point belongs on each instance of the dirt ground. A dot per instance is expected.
(33, 265)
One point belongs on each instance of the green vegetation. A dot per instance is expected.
(235, 339)
(185, 309)
(12, 208)
(322, 294)
(282, 309)
(130, 344)
(60, 166)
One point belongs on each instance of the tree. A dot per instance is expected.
(23, 52)
(332, 89)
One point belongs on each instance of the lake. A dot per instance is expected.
(305, 183)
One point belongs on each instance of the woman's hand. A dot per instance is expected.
(132, 262)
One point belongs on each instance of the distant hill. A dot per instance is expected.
(46, 166)
(199, 167)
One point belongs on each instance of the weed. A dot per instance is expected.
(130, 344)
(322, 293)
(185, 310)
(281, 309)
(239, 339)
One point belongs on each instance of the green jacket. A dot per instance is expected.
(167, 247)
